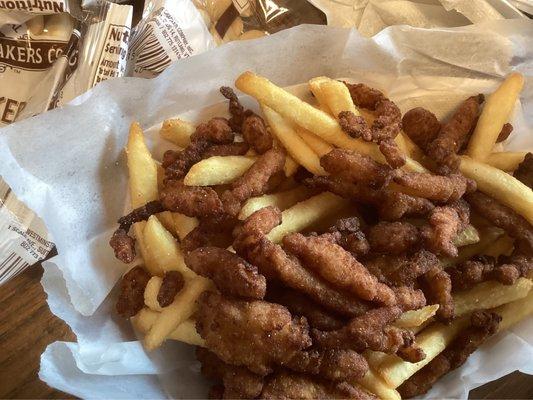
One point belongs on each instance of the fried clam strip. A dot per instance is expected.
(437, 287)
(254, 182)
(355, 167)
(503, 217)
(348, 235)
(231, 274)
(422, 126)
(255, 334)
(484, 268)
(193, 201)
(299, 304)
(444, 225)
(216, 131)
(392, 237)
(172, 283)
(252, 244)
(131, 297)
(454, 134)
(251, 125)
(124, 245)
(290, 385)
(370, 331)
(441, 189)
(483, 324)
(524, 172)
(230, 149)
(338, 267)
(390, 205)
(214, 231)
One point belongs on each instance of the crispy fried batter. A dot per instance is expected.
(370, 331)
(503, 217)
(483, 325)
(254, 182)
(286, 385)
(299, 304)
(392, 153)
(252, 244)
(388, 123)
(350, 237)
(442, 189)
(355, 167)
(214, 231)
(524, 172)
(355, 125)
(437, 287)
(409, 298)
(444, 225)
(454, 134)
(193, 201)
(255, 133)
(140, 214)
(421, 126)
(254, 334)
(364, 96)
(230, 149)
(392, 237)
(172, 283)
(231, 274)
(336, 365)
(215, 131)
(235, 108)
(507, 129)
(338, 267)
(131, 298)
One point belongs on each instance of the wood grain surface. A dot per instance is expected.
(27, 327)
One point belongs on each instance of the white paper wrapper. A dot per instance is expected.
(68, 165)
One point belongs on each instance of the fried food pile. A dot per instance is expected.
(289, 305)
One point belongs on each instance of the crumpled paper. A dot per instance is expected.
(68, 166)
(372, 16)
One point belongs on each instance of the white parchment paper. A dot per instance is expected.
(68, 166)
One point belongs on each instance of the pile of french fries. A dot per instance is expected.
(308, 131)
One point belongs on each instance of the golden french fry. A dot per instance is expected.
(487, 238)
(183, 224)
(514, 312)
(506, 160)
(308, 117)
(490, 294)
(142, 169)
(319, 146)
(496, 112)
(334, 94)
(295, 146)
(432, 340)
(501, 246)
(185, 332)
(375, 384)
(150, 293)
(164, 252)
(218, 170)
(177, 131)
(281, 200)
(467, 236)
(413, 318)
(290, 166)
(306, 213)
(182, 308)
(167, 221)
(500, 185)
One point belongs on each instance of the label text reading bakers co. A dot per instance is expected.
(35, 6)
(41, 55)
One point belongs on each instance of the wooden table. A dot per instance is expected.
(27, 327)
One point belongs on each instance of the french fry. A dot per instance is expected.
(295, 146)
(467, 236)
(182, 308)
(432, 340)
(506, 160)
(218, 170)
(290, 166)
(375, 384)
(496, 112)
(319, 146)
(487, 238)
(142, 169)
(150, 293)
(306, 213)
(183, 224)
(501, 246)
(414, 318)
(514, 312)
(185, 332)
(281, 200)
(163, 250)
(177, 131)
(167, 221)
(301, 113)
(334, 94)
(500, 185)
(490, 294)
